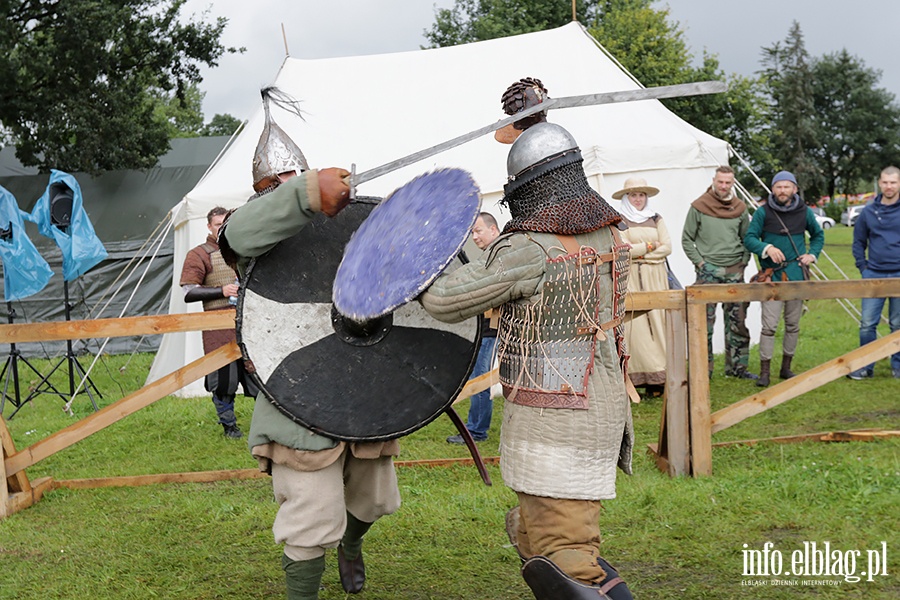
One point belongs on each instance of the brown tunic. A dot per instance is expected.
(204, 266)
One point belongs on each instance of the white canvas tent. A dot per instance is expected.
(369, 110)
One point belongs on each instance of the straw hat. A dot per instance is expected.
(636, 184)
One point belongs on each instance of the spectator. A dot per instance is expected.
(645, 332)
(713, 238)
(776, 236)
(206, 278)
(481, 408)
(876, 249)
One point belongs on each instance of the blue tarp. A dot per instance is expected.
(81, 248)
(25, 272)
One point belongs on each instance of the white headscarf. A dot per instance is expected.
(634, 215)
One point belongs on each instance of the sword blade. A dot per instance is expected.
(443, 146)
(653, 93)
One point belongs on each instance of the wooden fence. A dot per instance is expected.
(686, 426)
(685, 439)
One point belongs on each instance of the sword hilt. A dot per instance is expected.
(351, 181)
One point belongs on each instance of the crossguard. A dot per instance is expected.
(352, 182)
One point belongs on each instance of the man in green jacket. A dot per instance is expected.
(713, 239)
(776, 235)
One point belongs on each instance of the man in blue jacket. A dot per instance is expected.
(876, 250)
(776, 235)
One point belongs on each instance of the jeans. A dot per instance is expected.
(871, 315)
(482, 407)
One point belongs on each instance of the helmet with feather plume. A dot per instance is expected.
(276, 152)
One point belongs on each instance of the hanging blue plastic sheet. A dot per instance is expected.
(80, 246)
(25, 272)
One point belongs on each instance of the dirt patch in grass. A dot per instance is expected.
(886, 415)
(784, 533)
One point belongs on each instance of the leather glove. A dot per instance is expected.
(201, 294)
(333, 189)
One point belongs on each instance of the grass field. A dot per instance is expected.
(670, 538)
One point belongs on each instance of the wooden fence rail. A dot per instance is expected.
(125, 326)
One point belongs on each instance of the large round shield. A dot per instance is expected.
(345, 379)
(410, 239)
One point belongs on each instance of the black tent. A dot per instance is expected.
(130, 212)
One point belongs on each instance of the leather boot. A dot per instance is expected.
(763, 380)
(548, 582)
(786, 372)
(352, 570)
(233, 431)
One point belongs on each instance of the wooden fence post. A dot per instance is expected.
(678, 445)
(698, 390)
(11, 484)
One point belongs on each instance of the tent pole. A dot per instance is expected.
(284, 37)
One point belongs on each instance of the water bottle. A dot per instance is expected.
(232, 300)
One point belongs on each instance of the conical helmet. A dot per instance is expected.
(276, 152)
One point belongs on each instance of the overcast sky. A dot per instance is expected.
(735, 30)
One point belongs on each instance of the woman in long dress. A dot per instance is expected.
(645, 332)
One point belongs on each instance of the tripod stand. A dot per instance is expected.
(44, 386)
(11, 370)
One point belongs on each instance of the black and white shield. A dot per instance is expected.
(354, 381)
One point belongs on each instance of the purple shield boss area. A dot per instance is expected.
(407, 241)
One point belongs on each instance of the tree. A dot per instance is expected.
(738, 116)
(222, 125)
(794, 131)
(479, 20)
(184, 116)
(859, 123)
(643, 40)
(653, 49)
(82, 78)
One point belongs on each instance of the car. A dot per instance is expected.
(825, 222)
(849, 216)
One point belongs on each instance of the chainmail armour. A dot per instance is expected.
(547, 349)
(557, 200)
